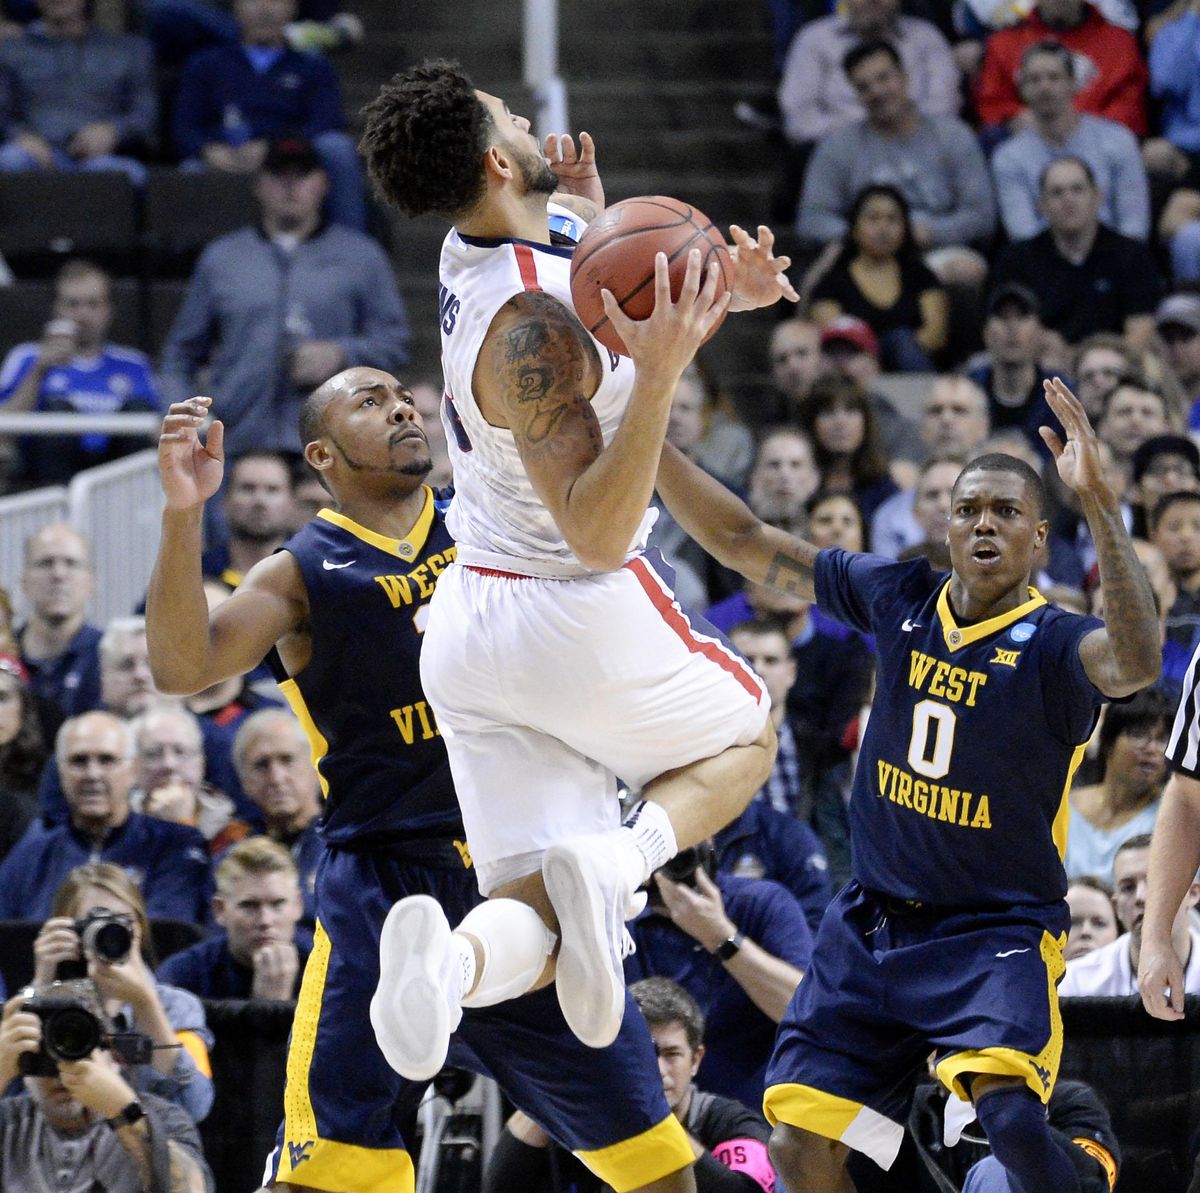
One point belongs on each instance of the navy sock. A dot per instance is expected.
(1015, 1122)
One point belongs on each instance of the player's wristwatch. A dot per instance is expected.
(127, 1117)
(729, 948)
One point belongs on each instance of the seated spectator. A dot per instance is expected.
(850, 455)
(1124, 803)
(22, 753)
(934, 162)
(75, 97)
(1088, 277)
(794, 354)
(133, 1000)
(1056, 129)
(754, 945)
(59, 649)
(1101, 360)
(816, 97)
(1111, 76)
(233, 100)
(261, 950)
(75, 1119)
(850, 349)
(1093, 917)
(918, 517)
(1175, 531)
(730, 1139)
(1135, 410)
(272, 757)
(268, 337)
(878, 276)
(95, 759)
(1178, 323)
(783, 476)
(1112, 969)
(1010, 375)
(74, 369)
(835, 521)
(170, 776)
(256, 503)
(1162, 464)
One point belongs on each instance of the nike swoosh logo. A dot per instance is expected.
(910, 625)
(1010, 952)
(333, 567)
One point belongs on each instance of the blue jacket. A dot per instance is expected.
(765, 843)
(738, 1037)
(169, 862)
(223, 98)
(208, 969)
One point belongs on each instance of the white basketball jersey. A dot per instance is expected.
(496, 517)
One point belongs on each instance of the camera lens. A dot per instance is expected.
(71, 1034)
(111, 941)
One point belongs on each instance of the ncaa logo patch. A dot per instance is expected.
(1022, 631)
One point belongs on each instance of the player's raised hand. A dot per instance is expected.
(1160, 979)
(574, 168)
(758, 275)
(665, 342)
(191, 470)
(1078, 458)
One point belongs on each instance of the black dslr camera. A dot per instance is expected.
(682, 868)
(74, 1024)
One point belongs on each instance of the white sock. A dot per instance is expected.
(515, 946)
(653, 835)
(466, 963)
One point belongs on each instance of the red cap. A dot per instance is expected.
(14, 666)
(849, 330)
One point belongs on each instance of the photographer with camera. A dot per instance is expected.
(97, 938)
(738, 946)
(86, 1127)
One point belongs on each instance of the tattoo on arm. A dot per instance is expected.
(546, 370)
(789, 574)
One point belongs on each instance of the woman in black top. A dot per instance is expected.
(879, 277)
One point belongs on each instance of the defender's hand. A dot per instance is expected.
(1078, 459)
(20, 1032)
(665, 342)
(575, 170)
(191, 471)
(758, 275)
(1160, 969)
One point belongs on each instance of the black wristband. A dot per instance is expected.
(127, 1117)
(729, 948)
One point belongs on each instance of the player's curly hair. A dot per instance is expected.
(425, 135)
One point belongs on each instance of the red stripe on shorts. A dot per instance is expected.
(677, 622)
(527, 265)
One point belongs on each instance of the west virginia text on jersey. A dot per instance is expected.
(959, 797)
(375, 740)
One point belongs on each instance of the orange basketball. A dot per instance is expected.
(617, 253)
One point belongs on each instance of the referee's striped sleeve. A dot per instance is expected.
(1183, 750)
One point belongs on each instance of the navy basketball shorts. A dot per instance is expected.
(887, 985)
(343, 1103)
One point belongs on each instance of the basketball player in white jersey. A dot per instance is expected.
(555, 656)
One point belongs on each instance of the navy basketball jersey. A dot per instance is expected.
(375, 742)
(960, 793)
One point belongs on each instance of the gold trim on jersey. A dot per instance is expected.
(957, 636)
(406, 548)
(810, 1109)
(644, 1158)
(1062, 818)
(305, 1158)
(318, 747)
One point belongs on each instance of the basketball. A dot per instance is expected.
(617, 253)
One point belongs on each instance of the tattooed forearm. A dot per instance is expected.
(792, 574)
(1131, 658)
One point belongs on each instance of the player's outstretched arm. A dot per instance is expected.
(1174, 859)
(729, 530)
(1122, 663)
(188, 649)
(759, 277)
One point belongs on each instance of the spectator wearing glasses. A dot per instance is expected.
(1124, 803)
(1162, 464)
(1101, 361)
